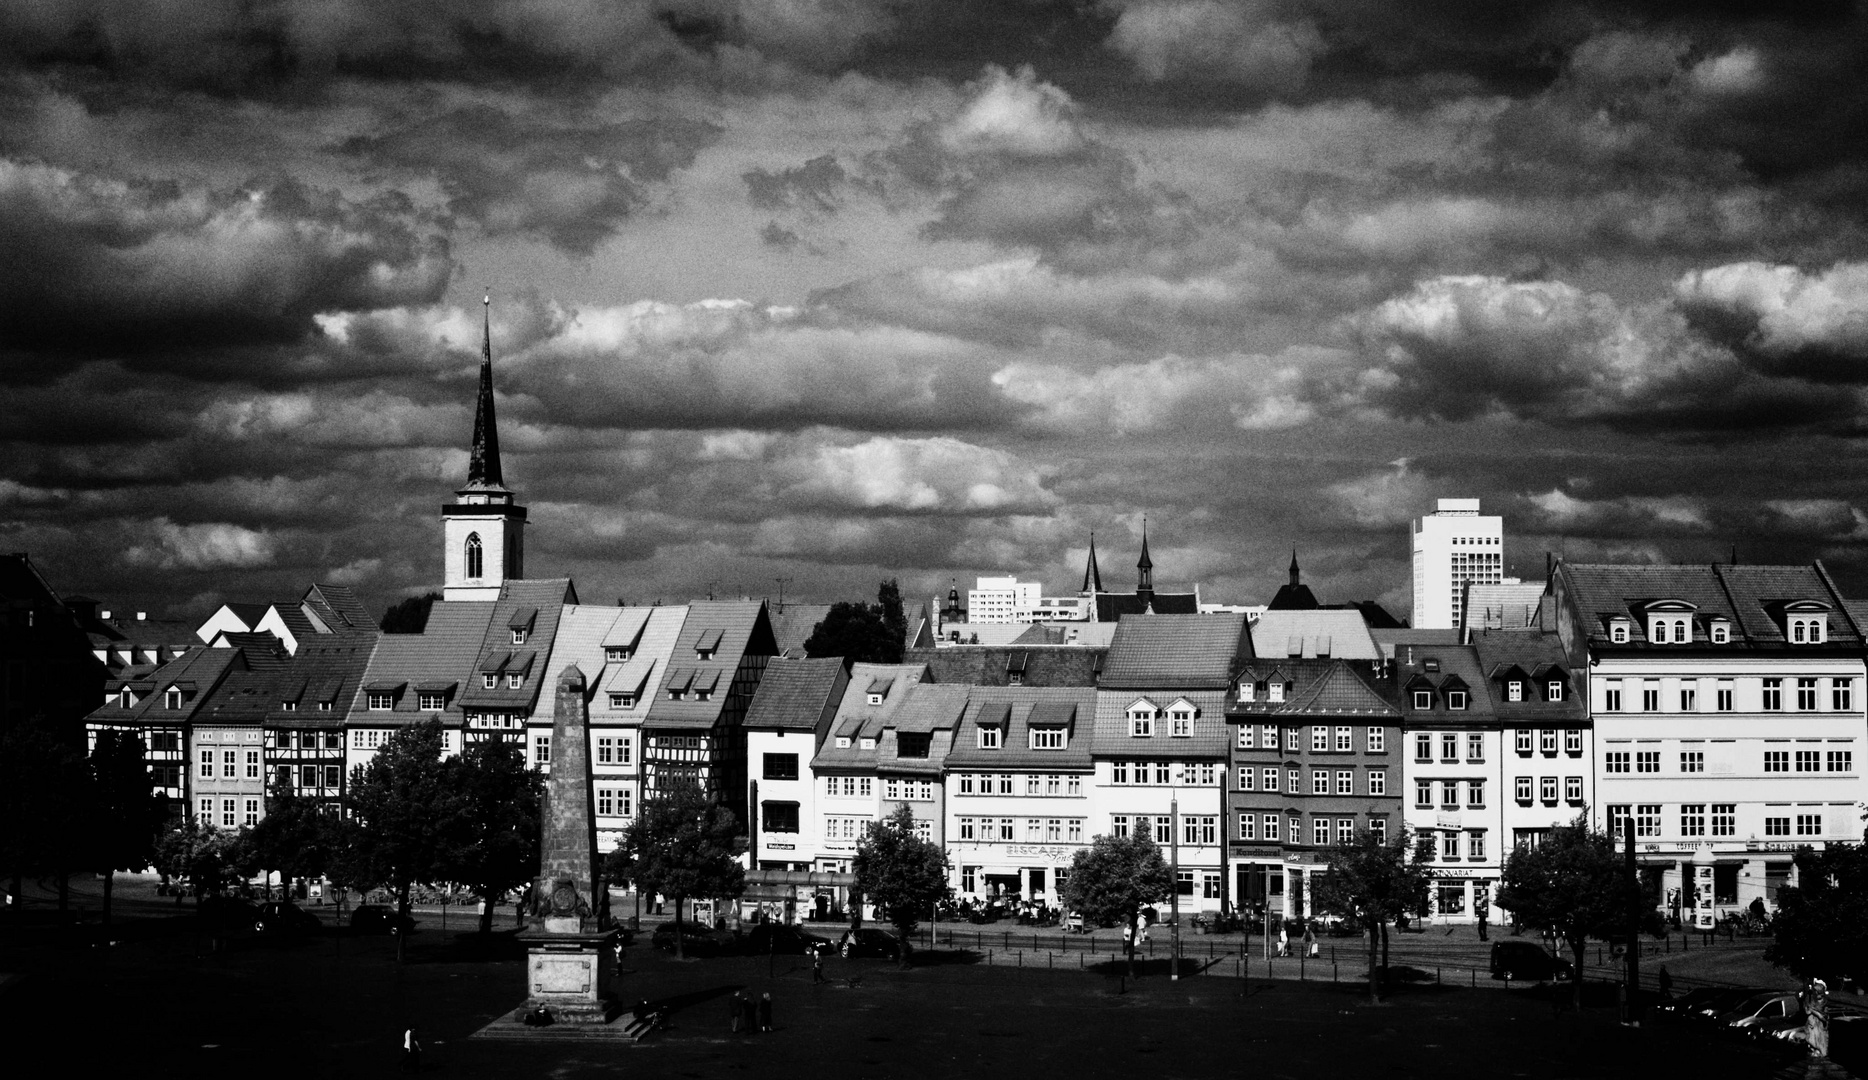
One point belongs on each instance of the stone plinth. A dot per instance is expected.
(570, 975)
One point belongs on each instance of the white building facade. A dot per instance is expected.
(1453, 546)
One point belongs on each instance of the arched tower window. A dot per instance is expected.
(474, 559)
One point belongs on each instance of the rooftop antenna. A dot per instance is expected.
(781, 592)
(710, 586)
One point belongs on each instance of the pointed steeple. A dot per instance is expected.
(1294, 571)
(483, 459)
(1145, 571)
(1092, 576)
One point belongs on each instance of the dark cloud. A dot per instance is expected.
(569, 185)
(817, 185)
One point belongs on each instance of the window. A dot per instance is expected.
(1618, 633)
(1721, 632)
(1073, 832)
(1291, 739)
(1319, 739)
(1475, 845)
(1423, 699)
(1247, 690)
(1475, 794)
(1345, 830)
(230, 760)
(473, 554)
(1248, 826)
(1319, 830)
(1809, 824)
(1319, 781)
(1693, 819)
(1547, 788)
(1553, 690)
(1047, 738)
(967, 828)
(1423, 794)
(490, 681)
(431, 702)
(1449, 747)
(1141, 722)
(207, 811)
(541, 749)
(1456, 699)
(1248, 779)
(1776, 826)
(514, 680)
(333, 775)
(1722, 697)
(1209, 773)
(1573, 789)
(1841, 761)
(777, 766)
(1161, 772)
(1514, 690)
(1164, 831)
(1378, 740)
(252, 764)
(1809, 761)
(228, 812)
(1612, 695)
(1449, 795)
(1276, 691)
(380, 701)
(1449, 846)
(1650, 697)
(1290, 781)
(1724, 819)
(207, 764)
(1182, 722)
(1034, 785)
(1523, 740)
(1573, 741)
(1689, 699)
(969, 879)
(1423, 747)
(1005, 785)
(1199, 829)
(1806, 695)
(1841, 697)
(1547, 740)
(1345, 741)
(1647, 761)
(1345, 782)
(1378, 828)
(1378, 781)
(1271, 779)
(1777, 761)
(989, 737)
(1475, 748)
(518, 635)
(1773, 695)
(615, 654)
(1246, 736)
(1647, 820)
(1119, 772)
(1268, 737)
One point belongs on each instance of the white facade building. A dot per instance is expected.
(1453, 546)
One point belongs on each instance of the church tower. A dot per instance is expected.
(483, 529)
(1145, 574)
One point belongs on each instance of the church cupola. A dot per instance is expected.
(483, 529)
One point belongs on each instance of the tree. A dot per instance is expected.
(1372, 880)
(493, 845)
(296, 837)
(1113, 879)
(685, 846)
(1822, 922)
(410, 614)
(45, 798)
(1572, 883)
(126, 811)
(867, 633)
(199, 854)
(404, 808)
(903, 875)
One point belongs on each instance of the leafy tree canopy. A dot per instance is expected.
(867, 633)
(1822, 921)
(1114, 878)
(493, 842)
(404, 807)
(900, 873)
(409, 615)
(1372, 880)
(1572, 883)
(685, 846)
(127, 813)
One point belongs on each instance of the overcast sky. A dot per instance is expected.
(835, 290)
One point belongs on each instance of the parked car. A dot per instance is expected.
(1720, 1004)
(281, 919)
(379, 919)
(1527, 960)
(695, 940)
(1772, 1005)
(869, 941)
(1675, 1008)
(790, 940)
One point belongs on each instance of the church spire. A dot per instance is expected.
(1092, 576)
(1145, 570)
(1294, 571)
(483, 459)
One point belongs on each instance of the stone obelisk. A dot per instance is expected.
(570, 959)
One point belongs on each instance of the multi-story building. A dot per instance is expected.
(1451, 768)
(1315, 757)
(160, 707)
(912, 753)
(1160, 742)
(692, 733)
(227, 737)
(1729, 719)
(788, 720)
(1018, 787)
(1453, 546)
(849, 794)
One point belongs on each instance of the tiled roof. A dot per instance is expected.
(1182, 651)
(797, 694)
(1333, 632)
(793, 624)
(578, 642)
(987, 665)
(1745, 594)
(342, 602)
(327, 668)
(1211, 737)
(205, 668)
(445, 651)
(1538, 656)
(1458, 666)
(1342, 690)
(856, 719)
(932, 710)
(650, 632)
(743, 630)
(547, 598)
(1051, 704)
(1502, 607)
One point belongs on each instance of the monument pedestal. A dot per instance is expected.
(569, 973)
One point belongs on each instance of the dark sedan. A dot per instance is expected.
(869, 941)
(286, 920)
(789, 940)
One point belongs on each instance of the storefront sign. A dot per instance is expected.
(1047, 852)
(781, 847)
(839, 845)
(1446, 821)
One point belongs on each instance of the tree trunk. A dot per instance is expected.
(1384, 948)
(110, 880)
(680, 952)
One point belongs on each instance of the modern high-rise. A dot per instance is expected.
(1454, 545)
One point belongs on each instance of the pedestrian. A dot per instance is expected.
(1485, 915)
(1310, 941)
(765, 1012)
(749, 1013)
(817, 965)
(411, 1050)
(1666, 982)
(1284, 940)
(736, 1011)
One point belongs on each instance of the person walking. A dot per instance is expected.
(411, 1050)
(736, 1011)
(765, 1012)
(749, 1013)
(1284, 940)
(1484, 911)
(817, 965)
(1310, 941)
(1666, 982)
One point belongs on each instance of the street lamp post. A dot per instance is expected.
(1174, 896)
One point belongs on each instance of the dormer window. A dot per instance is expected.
(518, 635)
(677, 695)
(172, 698)
(125, 699)
(1275, 691)
(1047, 738)
(1669, 629)
(1720, 631)
(1456, 699)
(1619, 631)
(489, 681)
(843, 742)
(1423, 699)
(514, 680)
(431, 702)
(708, 645)
(1514, 690)
(1248, 690)
(1807, 630)
(1553, 691)
(616, 654)
(990, 737)
(1142, 720)
(324, 706)
(380, 701)
(868, 744)
(622, 701)
(288, 706)
(874, 698)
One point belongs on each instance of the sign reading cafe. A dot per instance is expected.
(1047, 853)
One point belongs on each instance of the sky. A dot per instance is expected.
(805, 294)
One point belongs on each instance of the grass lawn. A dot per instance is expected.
(162, 1004)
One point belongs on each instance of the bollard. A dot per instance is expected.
(988, 957)
(1332, 971)
(1302, 959)
(1021, 958)
(1474, 972)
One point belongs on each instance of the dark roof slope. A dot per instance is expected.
(546, 598)
(1747, 595)
(1015, 706)
(1113, 607)
(742, 629)
(441, 657)
(1539, 656)
(793, 624)
(1190, 651)
(797, 694)
(992, 665)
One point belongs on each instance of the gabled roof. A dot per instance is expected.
(1341, 690)
(743, 631)
(1191, 651)
(206, 668)
(930, 710)
(793, 624)
(1014, 708)
(1538, 657)
(856, 719)
(548, 598)
(341, 601)
(326, 668)
(797, 694)
(989, 665)
(1339, 633)
(584, 632)
(446, 651)
(1750, 596)
(1459, 669)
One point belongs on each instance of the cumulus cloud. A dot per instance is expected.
(95, 262)
(1258, 392)
(206, 546)
(1784, 320)
(1628, 515)
(1206, 39)
(1387, 499)
(571, 185)
(920, 475)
